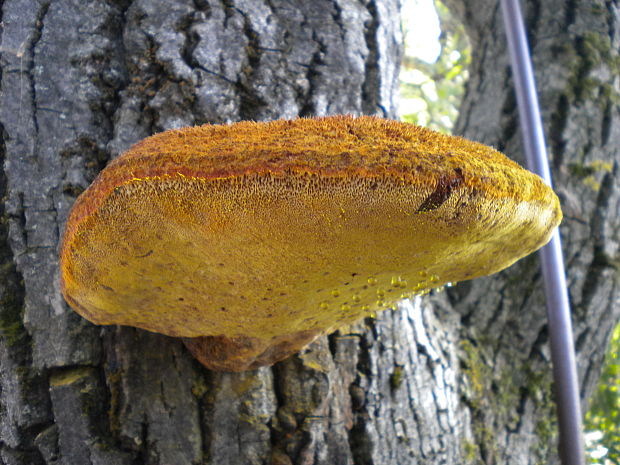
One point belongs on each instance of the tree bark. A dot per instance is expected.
(575, 49)
(462, 376)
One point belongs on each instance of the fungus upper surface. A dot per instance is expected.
(264, 229)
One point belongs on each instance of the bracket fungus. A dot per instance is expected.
(251, 239)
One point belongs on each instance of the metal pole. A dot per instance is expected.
(571, 447)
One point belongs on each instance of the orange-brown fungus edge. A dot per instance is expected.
(334, 146)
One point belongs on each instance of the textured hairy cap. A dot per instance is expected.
(259, 237)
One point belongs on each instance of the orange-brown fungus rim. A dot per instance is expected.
(376, 136)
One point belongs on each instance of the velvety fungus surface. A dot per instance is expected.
(262, 236)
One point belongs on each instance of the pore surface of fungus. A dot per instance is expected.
(251, 239)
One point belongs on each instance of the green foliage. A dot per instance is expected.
(603, 419)
(431, 92)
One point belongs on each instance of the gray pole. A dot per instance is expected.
(571, 447)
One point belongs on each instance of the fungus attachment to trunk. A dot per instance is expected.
(249, 240)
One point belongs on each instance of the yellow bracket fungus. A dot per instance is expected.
(249, 240)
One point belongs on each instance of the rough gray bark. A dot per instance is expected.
(461, 378)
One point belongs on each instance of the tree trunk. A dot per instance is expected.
(460, 377)
(575, 47)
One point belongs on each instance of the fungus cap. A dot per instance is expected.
(251, 239)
